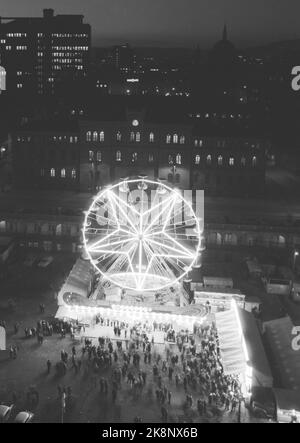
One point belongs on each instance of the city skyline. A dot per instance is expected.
(145, 23)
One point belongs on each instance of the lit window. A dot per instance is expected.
(134, 157)
(182, 140)
(151, 158)
(101, 136)
(132, 136)
(63, 173)
(151, 137)
(254, 161)
(91, 156)
(118, 156)
(73, 174)
(138, 137)
(52, 173)
(220, 160)
(89, 136)
(99, 156)
(200, 143)
(178, 159)
(231, 161)
(95, 136)
(196, 143)
(170, 160)
(197, 160)
(119, 136)
(209, 159)
(175, 138)
(168, 139)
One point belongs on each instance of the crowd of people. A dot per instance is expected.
(185, 373)
(190, 371)
(139, 328)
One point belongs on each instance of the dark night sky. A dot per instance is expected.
(174, 22)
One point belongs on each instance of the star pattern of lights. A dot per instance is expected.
(141, 243)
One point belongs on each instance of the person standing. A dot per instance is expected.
(49, 364)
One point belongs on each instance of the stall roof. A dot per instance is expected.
(279, 336)
(236, 327)
(233, 355)
(78, 280)
(253, 267)
(218, 281)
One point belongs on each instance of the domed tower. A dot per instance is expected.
(224, 52)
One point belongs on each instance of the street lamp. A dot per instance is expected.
(296, 254)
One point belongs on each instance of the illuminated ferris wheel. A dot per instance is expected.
(141, 235)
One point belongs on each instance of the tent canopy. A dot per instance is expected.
(2, 339)
(232, 352)
(241, 346)
(78, 281)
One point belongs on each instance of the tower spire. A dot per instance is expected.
(225, 33)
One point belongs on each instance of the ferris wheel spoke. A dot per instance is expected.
(172, 250)
(102, 247)
(160, 213)
(125, 215)
(160, 204)
(105, 253)
(169, 215)
(95, 216)
(121, 202)
(158, 266)
(180, 246)
(151, 260)
(114, 212)
(157, 205)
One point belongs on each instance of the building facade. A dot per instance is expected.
(40, 54)
(61, 232)
(123, 58)
(88, 153)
